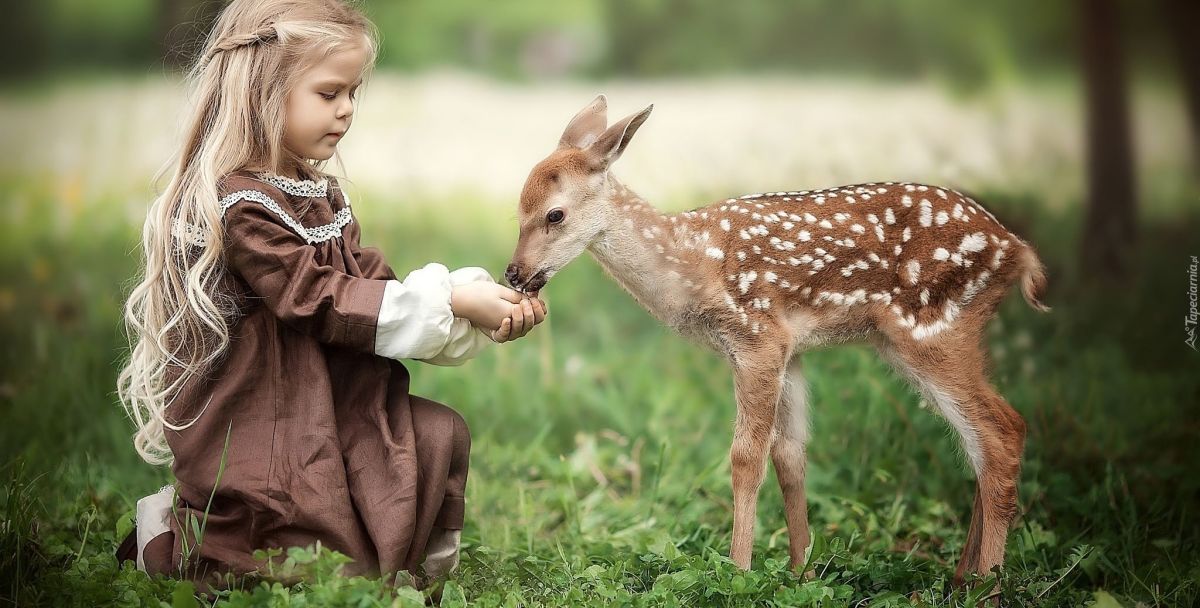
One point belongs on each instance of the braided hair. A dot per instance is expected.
(263, 34)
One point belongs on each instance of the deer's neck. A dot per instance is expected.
(635, 250)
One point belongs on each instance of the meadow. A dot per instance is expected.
(599, 470)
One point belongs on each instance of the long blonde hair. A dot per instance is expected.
(177, 318)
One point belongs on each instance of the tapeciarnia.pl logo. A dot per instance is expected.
(1189, 321)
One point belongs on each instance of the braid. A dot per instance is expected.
(266, 33)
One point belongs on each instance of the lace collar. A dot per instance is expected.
(296, 187)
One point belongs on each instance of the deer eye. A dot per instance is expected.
(555, 216)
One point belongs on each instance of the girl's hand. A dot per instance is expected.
(524, 316)
(484, 304)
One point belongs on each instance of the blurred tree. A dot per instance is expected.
(182, 27)
(21, 44)
(500, 38)
(1110, 220)
(1182, 17)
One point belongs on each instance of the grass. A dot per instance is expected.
(599, 471)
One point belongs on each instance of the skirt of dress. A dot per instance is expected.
(442, 448)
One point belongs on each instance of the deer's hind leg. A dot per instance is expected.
(788, 456)
(949, 369)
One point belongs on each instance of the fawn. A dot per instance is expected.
(917, 271)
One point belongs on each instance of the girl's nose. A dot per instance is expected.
(346, 109)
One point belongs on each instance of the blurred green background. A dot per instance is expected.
(599, 471)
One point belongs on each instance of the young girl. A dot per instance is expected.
(265, 339)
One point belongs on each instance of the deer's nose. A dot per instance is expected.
(512, 274)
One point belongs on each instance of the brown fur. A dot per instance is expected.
(923, 272)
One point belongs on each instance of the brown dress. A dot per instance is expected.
(325, 441)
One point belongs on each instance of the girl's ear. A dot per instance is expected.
(612, 143)
(587, 125)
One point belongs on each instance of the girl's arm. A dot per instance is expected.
(410, 319)
(401, 334)
(279, 265)
(416, 320)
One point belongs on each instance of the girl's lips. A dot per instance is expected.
(335, 134)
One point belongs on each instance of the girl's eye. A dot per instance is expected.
(328, 96)
(555, 216)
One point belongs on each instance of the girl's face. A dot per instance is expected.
(321, 106)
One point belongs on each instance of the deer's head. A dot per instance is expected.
(565, 204)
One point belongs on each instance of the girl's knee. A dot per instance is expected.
(436, 421)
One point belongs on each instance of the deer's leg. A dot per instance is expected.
(951, 374)
(787, 454)
(1000, 472)
(758, 379)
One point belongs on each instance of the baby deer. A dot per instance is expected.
(917, 271)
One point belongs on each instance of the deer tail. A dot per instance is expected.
(1033, 279)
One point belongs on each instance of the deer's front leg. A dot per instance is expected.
(758, 379)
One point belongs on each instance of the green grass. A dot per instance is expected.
(599, 470)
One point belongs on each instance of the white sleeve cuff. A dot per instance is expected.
(416, 321)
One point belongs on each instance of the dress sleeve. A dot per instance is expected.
(277, 262)
(416, 322)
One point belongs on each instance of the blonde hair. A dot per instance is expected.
(177, 318)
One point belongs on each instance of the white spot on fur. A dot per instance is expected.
(926, 213)
(973, 242)
(714, 253)
(914, 271)
(725, 224)
(745, 279)
(940, 254)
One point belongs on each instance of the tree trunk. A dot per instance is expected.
(1110, 224)
(1181, 17)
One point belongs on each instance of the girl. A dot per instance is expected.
(265, 339)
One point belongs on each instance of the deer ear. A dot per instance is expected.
(612, 143)
(587, 125)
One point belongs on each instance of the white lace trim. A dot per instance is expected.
(296, 187)
(315, 234)
(188, 233)
(312, 235)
